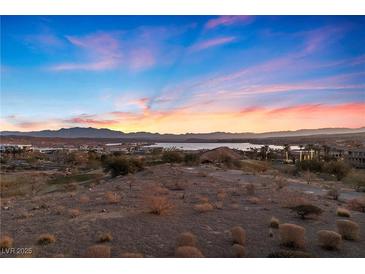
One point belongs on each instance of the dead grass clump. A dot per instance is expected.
(59, 210)
(343, 212)
(46, 239)
(357, 204)
(131, 255)
(188, 252)
(254, 200)
(349, 230)
(186, 239)
(221, 195)
(159, 205)
(292, 199)
(292, 235)
(238, 251)
(250, 189)
(112, 197)
(203, 207)
(203, 199)
(98, 251)
(74, 212)
(84, 199)
(280, 182)
(238, 235)
(329, 239)
(105, 237)
(159, 190)
(274, 222)
(6, 242)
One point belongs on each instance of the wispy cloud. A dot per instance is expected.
(212, 43)
(228, 21)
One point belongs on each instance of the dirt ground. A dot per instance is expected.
(135, 229)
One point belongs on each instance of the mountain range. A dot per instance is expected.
(79, 132)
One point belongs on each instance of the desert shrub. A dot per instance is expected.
(131, 255)
(46, 239)
(203, 207)
(159, 205)
(349, 230)
(250, 189)
(6, 242)
(122, 165)
(290, 254)
(188, 252)
(343, 212)
(97, 251)
(280, 182)
(292, 235)
(172, 156)
(309, 165)
(356, 178)
(112, 197)
(254, 200)
(105, 237)
(186, 239)
(357, 204)
(338, 168)
(84, 199)
(329, 239)
(305, 210)
(238, 251)
(333, 193)
(191, 158)
(238, 235)
(274, 222)
(74, 212)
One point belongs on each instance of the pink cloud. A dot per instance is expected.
(141, 59)
(212, 43)
(228, 21)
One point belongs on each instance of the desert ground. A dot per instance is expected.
(143, 214)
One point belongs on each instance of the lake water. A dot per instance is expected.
(197, 146)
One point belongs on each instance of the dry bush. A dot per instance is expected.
(59, 210)
(305, 210)
(112, 197)
(158, 190)
(238, 235)
(292, 199)
(6, 242)
(186, 239)
(131, 255)
(218, 205)
(238, 251)
(98, 251)
(159, 205)
(84, 199)
(254, 200)
(333, 193)
(343, 212)
(203, 199)
(349, 230)
(221, 195)
(74, 212)
(235, 206)
(280, 182)
(250, 189)
(105, 237)
(329, 239)
(176, 185)
(203, 207)
(46, 239)
(292, 235)
(290, 254)
(188, 252)
(357, 204)
(274, 222)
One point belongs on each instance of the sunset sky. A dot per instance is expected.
(177, 74)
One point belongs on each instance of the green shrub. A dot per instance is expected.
(311, 165)
(356, 178)
(172, 156)
(191, 158)
(122, 165)
(338, 168)
(307, 209)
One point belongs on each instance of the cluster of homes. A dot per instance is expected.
(355, 156)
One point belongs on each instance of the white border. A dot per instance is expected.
(181, 266)
(182, 7)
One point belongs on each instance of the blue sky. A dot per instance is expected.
(182, 73)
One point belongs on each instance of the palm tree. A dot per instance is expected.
(287, 152)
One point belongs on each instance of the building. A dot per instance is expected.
(356, 157)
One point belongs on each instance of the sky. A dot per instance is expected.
(179, 74)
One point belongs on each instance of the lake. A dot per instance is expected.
(197, 146)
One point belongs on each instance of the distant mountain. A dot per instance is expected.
(78, 132)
